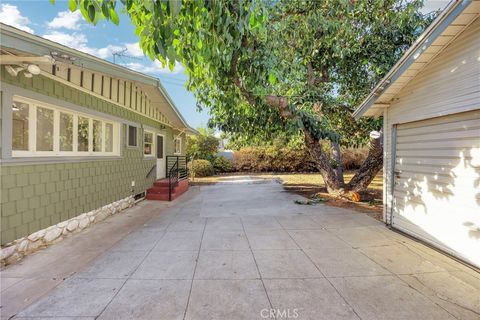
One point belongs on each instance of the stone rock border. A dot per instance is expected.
(16, 250)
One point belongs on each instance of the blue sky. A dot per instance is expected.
(57, 23)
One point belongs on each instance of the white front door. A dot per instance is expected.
(160, 156)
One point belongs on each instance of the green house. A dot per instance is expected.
(78, 133)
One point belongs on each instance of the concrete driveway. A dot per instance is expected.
(239, 250)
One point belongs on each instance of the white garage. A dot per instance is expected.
(430, 103)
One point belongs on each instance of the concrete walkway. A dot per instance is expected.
(239, 250)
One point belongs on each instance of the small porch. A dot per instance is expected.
(175, 182)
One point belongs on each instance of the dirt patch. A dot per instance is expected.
(371, 203)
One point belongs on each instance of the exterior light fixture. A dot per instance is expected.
(34, 69)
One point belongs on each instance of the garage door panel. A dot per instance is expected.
(440, 144)
(455, 125)
(460, 153)
(440, 163)
(437, 183)
(438, 136)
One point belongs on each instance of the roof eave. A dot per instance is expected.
(452, 11)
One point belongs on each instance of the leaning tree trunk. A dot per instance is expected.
(370, 167)
(337, 156)
(333, 184)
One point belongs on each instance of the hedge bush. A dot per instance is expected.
(200, 168)
(274, 159)
(222, 164)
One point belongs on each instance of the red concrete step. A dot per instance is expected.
(161, 183)
(156, 189)
(159, 191)
(160, 196)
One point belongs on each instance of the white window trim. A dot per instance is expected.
(175, 144)
(32, 134)
(153, 149)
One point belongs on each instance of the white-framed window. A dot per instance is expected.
(177, 143)
(132, 136)
(148, 144)
(41, 129)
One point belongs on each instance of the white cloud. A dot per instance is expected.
(134, 50)
(66, 19)
(79, 42)
(153, 67)
(10, 15)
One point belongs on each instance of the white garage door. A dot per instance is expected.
(437, 183)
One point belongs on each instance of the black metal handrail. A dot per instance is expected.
(172, 179)
(177, 170)
(151, 171)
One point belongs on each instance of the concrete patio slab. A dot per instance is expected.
(260, 222)
(344, 262)
(285, 264)
(226, 265)
(175, 265)
(139, 240)
(187, 224)
(456, 292)
(180, 241)
(299, 222)
(224, 240)
(227, 299)
(181, 260)
(270, 240)
(313, 239)
(400, 259)
(387, 297)
(313, 299)
(224, 223)
(76, 297)
(116, 264)
(363, 237)
(153, 299)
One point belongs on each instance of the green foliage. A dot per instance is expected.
(202, 146)
(222, 164)
(275, 158)
(200, 168)
(323, 56)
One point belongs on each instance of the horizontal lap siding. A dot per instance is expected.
(449, 84)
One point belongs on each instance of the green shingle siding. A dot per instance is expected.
(36, 196)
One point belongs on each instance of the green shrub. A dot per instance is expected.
(200, 168)
(289, 159)
(222, 164)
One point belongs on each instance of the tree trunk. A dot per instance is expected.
(337, 156)
(369, 169)
(333, 184)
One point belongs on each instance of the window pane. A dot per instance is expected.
(66, 132)
(97, 136)
(132, 136)
(44, 129)
(147, 143)
(82, 134)
(177, 145)
(108, 137)
(20, 126)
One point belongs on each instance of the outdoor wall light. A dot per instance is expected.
(34, 69)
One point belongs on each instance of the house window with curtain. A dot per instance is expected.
(177, 146)
(148, 144)
(40, 129)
